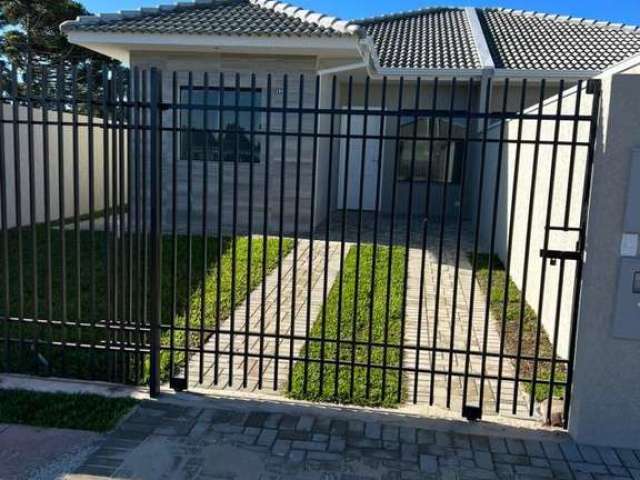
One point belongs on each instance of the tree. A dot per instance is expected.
(31, 37)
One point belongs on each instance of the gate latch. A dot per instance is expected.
(555, 255)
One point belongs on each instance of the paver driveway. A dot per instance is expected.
(454, 324)
(242, 440)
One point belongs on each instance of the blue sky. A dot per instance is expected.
(625, 11)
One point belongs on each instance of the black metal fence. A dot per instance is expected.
(334, 238)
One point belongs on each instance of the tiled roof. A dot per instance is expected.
(236, 17)
(429, 38)
(528, 40)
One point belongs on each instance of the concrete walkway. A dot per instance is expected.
(41, 453)
(289, 324)
(244, 440)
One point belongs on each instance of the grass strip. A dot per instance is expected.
(334, 311)
(80, 306)
(512, 328)
(63, 410)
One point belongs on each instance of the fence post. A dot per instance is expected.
(155, 261)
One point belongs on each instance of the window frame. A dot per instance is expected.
(214, 92)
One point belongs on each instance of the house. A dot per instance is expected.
(477, 47)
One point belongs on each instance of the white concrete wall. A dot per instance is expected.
(52, 162)
(606, 396)
(536, 176)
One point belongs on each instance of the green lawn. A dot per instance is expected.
(325, 390)
(512, 328)
(62, 410)
(76, 303)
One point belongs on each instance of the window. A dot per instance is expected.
(234, 137)
(446, 157)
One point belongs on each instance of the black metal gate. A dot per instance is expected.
(341, 239)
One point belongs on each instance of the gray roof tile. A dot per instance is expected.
(529, 40)
(429, 38)
(235, 17)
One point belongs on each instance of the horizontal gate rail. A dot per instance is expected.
(331, 238)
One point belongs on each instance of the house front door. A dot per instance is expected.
(356, 171)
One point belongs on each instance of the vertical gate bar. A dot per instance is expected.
(135, 198)
(155, 264)
(425, 238)
(314, 165)
(391, 228)
(32, 217)
(492, 241)
(124, 319)
(144, 185)
(556, 333)
(543, 274)
(174, 220)
(456, 272)
(354, 316)
(507, 268)
(376, 225)
(92, 210)
(327, 235)
(18, 198)
(265, 232)
(46, 188)
(525, 274)
(252, 128)
(76, 198)
(234, 226)
(5, 236)
(135, 259)
(423, 246)
(594, 87)
(105, 190)
(572, 155)
(220, 213)
(443, 214)
(115, 228)
(205, 212)
(187, 332)
(129, 303)
(283, 150)
(342, 235)
(296, 216)
(408, 233)
(476, 240)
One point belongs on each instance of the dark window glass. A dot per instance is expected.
(235, 134)
(445, 156)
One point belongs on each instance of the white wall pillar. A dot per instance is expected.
(606, 395)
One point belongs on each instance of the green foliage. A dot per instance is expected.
(513, 331)
(349, 319)
(62, 410)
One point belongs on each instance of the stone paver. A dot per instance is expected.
(216, 443)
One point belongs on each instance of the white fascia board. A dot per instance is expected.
(502, 73)
(182, 42)
(343, 68)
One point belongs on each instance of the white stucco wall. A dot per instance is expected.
(40, 166)
(554, 178)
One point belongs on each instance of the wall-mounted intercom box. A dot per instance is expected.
(626, 323)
